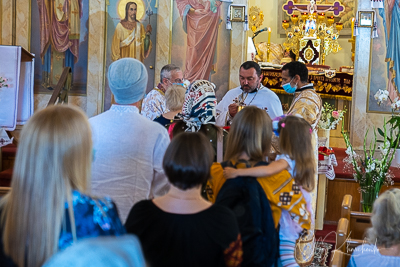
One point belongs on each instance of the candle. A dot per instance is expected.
(269, 35)
(352, 27)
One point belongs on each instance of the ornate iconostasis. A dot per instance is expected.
(167, 40)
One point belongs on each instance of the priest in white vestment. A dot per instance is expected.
(251, 92)
(128, 148)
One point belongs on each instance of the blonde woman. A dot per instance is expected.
(174, 98)
(47, 208)
(384, 236)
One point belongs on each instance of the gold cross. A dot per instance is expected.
(60, 7)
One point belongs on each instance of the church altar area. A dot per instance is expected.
(18, 33)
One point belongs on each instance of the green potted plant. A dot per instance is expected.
(371, 171)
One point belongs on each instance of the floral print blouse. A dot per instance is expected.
(93, 217)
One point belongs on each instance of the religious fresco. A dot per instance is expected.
(121, 35)
(59, 38)
(201, 42)
(350, 7)
(385, 57)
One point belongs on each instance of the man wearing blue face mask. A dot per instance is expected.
(306, 102)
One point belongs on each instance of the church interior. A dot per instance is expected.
(60, 51)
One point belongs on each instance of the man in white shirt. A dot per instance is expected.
(251, 92)
(154, 104)
(128, 148)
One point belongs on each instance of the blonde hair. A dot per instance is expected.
(251, 133)
(385, 230)
(53, 158)
(295, 136)
(174, 97)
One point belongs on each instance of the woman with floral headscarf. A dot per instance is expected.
(198, 115)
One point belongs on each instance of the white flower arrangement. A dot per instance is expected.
(383, 96)
(369, 171)
(330, 117)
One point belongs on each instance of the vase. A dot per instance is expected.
(396, 159)
(367, 200)
(323, 133)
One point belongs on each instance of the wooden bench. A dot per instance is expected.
(336, 258)
(351, 229)
(359, 222)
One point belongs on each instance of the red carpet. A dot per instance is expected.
(327, 234)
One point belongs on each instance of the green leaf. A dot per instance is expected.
(380, 132)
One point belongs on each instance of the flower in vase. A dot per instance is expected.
(335, 114)
(350, 152)
(369, 171)
(329, 117)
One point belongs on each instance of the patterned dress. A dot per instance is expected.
(93, 217)
(280, 189)
(154, 104)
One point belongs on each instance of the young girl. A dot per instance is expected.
(298, 159)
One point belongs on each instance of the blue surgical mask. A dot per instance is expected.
(288, 88)
(181, 84)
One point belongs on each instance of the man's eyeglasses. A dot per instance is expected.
(178, 80)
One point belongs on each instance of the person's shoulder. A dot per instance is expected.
(268, 92)
(366, 248)
(233, 92)
(79, 198)
(99, 117)
(85, 204)
(281, 176)
(220, 211)
(143, 206)
(155, 129)
(310, 93)
(216, 167)
(140, 212)
(369, 255)
(153, 93)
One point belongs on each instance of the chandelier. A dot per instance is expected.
(317, 27)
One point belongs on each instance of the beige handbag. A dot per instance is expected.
(304, 252)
